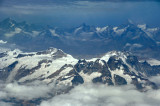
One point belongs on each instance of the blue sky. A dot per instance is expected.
(68, 13)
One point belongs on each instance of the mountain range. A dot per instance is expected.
(84, 40)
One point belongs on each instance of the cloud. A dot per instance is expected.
(61, 2)
(5, 104)
(29, 7)
(118, 0)
(153, 62)
(155, 79)
(10, 34)
(65, 1)
(102, 95)
(82, 95)
(26, 92)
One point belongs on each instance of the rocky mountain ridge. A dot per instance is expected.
(53, 65)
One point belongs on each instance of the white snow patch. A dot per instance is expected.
(35, 33)
(12, 25)
(118, 31)
(152, 29)
(76, 30)
(53, 32)
(143, 26)
(101, 62)
(137, 45)
(115, 28)
(3, 42)
(127, 44)
(158, 43)
(100, 30)
(88, 78)
(136, 37)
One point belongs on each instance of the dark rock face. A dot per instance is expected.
(59, 54)
(12, 66)
(24, 55)
(103, 79)
(135, 82)
(119, 80)
(4, 73)
(113, 63)
(143, 67)
(91, 67)
(2, 55)
(88, 67)
(141, 86)
(77, 80)
(106, 77)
